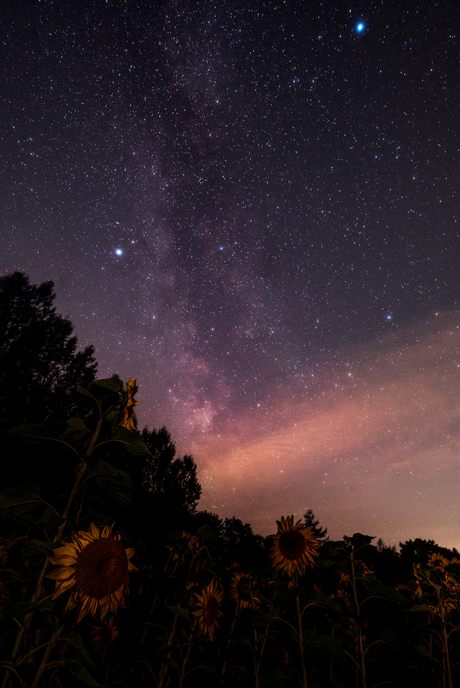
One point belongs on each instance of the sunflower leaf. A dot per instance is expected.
(77, 642)
(123, 495)
(19, 609)
(206, 532)
(83, 675)
(358, 541)
(271, 676)
(25, 494)
(333, 649)
(179, 611)
(114, 384)
(83, 390)
(39, 432)
(76, 429)
(131, 441)
(112, 480)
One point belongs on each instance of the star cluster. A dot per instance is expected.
(252, 208)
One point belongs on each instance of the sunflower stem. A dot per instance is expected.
(164, 666)
(302, 660)
(189, 647)
(358, 615)
(444, 636)
(224, 665)
(256, 660)
(39, 584)
(46, 654)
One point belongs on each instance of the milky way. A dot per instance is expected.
(252, 208)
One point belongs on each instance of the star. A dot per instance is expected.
(360, 27)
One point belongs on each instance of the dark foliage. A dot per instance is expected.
(238, 538)
(39, 362)
(166, 488)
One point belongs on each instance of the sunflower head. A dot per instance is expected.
(95, 567)
(448, 606)
(294, 547)
(437, 561)
(209, 603)
(104, 636)
(128, 411)
(241, 590)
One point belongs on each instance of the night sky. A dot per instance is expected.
(253, 209)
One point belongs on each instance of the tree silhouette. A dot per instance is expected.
(419, 550)
(39, 362)
(313, 523)
(166, 489)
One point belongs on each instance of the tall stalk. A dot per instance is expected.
(444, 638)
(36, 595)
(302, 660)
(358, 615)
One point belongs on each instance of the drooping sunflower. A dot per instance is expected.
(210, 602)
(294, 546)
(95, 567)
(128, 412)
(241, 590)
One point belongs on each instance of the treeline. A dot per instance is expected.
(40, 368)
(110, 575)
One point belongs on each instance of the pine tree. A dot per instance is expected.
(313, 523)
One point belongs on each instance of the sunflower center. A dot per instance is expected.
(292, 545)
(101, 568)
(212, 611)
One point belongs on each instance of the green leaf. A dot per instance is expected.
(44, 546)
(39, 432)
(206, 532)
(326, 601)
(359, 541)
(271, 676)
(338, 683)
(84, 390)
(114, 384)
(20, 494)
(83, 675)
(131, 441)
(19, 609)
(112, 480)
(123, 495)
(389, 637)
(77, 642)
(76, 429)
(179, 611)
(333, 649)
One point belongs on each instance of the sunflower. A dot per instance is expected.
(294, 546)
(104, 636)
(210, 601)
(241, 591)
(361, 571)
(95, 567)
(437, 561)
(128, 412)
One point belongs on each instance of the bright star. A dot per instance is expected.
(119, 251)
(360, 27)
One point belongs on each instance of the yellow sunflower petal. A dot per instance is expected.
(63, 560)
(94, 531)
(62, 573)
